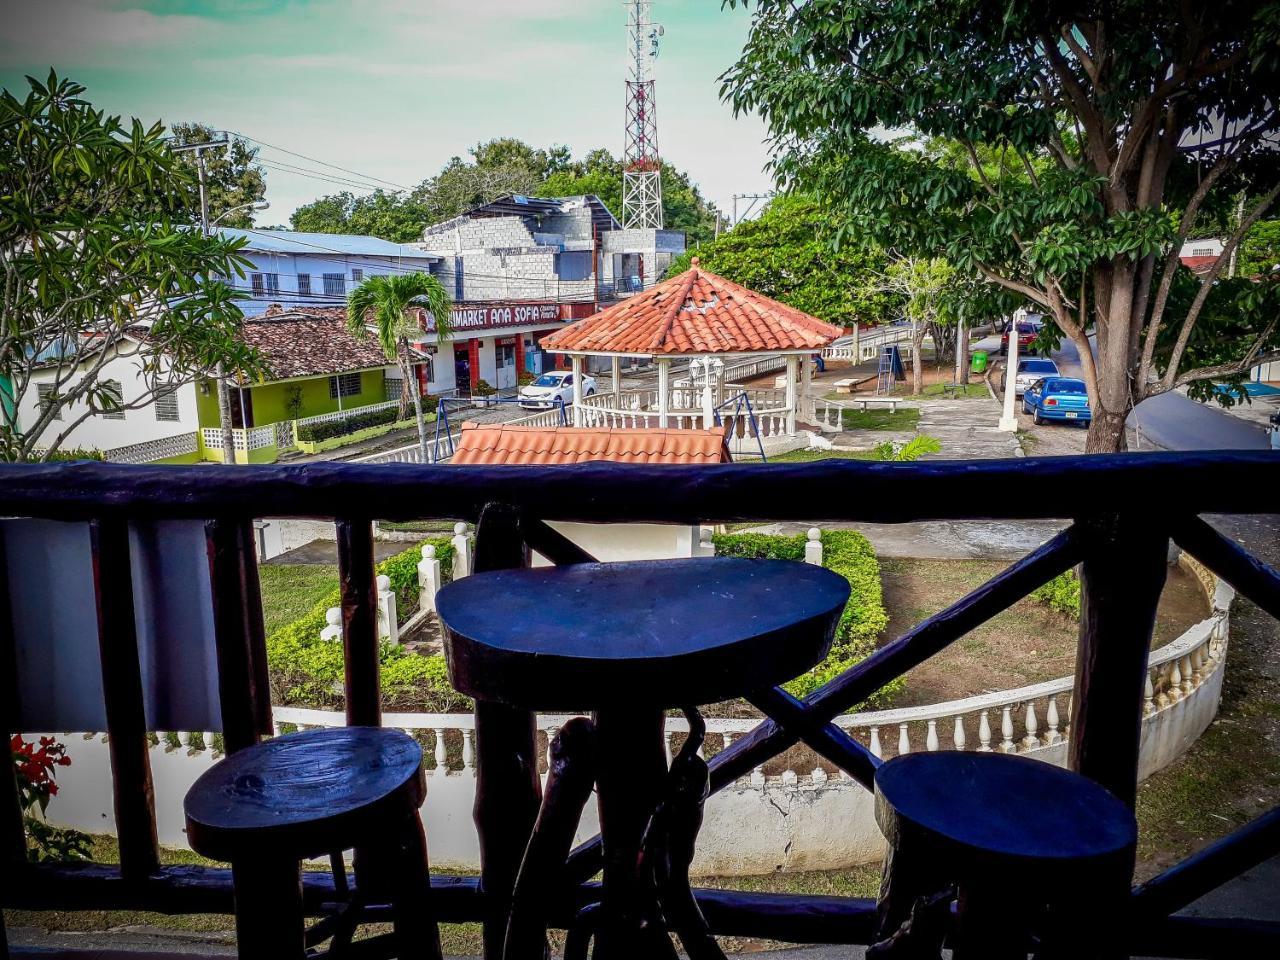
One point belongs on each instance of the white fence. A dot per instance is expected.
(778, 817)
(254, 438)
(151, 450)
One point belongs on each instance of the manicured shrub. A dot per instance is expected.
(483, 388)
(308, 671)
(849, 554)
(327, 429)
(1061, 594)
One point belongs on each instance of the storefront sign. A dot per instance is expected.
(504, 315)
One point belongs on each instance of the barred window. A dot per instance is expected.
(304, 284)
(255, 279)
(111, 390)
(356, 274)
(167, 404)
(44, 395)
(347, 383)
(334, 285)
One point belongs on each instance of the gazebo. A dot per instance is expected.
(721, 328)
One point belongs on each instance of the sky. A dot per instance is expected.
(391, 89)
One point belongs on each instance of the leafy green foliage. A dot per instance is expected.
(378, 214)
(95, 247)
(1061, 594)
(1260, 251)
(788, 253)
(1042, 150)
(234, 177)
(849, 554)
(308, 671)
(35, 767)
(327, 429)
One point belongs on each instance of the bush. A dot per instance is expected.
(1061, 594)
(483, 388)
(308, 671)
(849, 554)
(327, 429)
(524, 378)
(76, 453)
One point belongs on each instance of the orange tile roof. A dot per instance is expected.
(694, 312)
(559, 445)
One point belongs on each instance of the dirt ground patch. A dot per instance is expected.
(1028, 643)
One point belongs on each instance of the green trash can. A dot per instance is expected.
(979, 362)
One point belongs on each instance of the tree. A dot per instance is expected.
(1260, 251)
(99, 260)
(787, 253)
(235, 179)
(922, 285)
(388, 302)
(378, 214)
(1068, 151)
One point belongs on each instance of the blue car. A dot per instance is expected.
(1057, 398)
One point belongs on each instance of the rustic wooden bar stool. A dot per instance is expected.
(1033, 852)
(307, 795)
(627, 641)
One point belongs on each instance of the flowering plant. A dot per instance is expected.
(35, 766)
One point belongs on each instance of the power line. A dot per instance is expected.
(323, 163)
(315, 175)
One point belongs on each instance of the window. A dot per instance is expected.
(1202, 251)
(573, 265)
(346, 385)
(334, 285)
(304, 284)
(273, 283)
(44, 395)
(167, 404)
(258, 286)
(356, 274)
(112, 394)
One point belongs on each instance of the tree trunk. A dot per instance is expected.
(224, 417)
(411, 384)
(917, 360)
(1106, 433)
(962, 353)
(1113, 389)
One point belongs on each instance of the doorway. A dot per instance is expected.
(462, 370)
(505, 373)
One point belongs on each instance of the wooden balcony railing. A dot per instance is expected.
(1124, 511)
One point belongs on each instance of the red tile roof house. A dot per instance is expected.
(319, 372)
(721, 328)
(555, 447)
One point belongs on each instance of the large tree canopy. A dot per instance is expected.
(99, 260)
(495, 169)
(235, 179)
(1062, 150)
(787, 253)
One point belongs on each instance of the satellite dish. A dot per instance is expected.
(661, 31)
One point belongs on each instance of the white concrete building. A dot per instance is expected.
(296, 269)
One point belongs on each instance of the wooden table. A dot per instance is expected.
(628, 641)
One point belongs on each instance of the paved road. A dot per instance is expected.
(1172, 420)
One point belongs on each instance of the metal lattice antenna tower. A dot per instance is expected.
(641, 168)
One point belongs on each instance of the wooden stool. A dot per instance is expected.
(629, 641)
(1033, 850)
(307, 795)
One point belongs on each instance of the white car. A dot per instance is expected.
(1030, 370)
(542, 393)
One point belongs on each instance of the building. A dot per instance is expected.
(304, 270)
(1199, 256)
(521, 267)
(505, 445)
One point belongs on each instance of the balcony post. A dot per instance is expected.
(575, 364)
(1122, 575)
(615, 364)
(793, 363)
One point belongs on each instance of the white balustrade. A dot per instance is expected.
(813, 547)
(429, 578)
(461, 551)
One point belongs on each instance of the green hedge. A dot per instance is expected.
(308, 671)
(849, 554)
(327, 429)
(1061, 594)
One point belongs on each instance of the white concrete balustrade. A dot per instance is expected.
(794, 819)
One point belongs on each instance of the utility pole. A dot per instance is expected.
(224, 392)
(1009, 422)
(753, 197)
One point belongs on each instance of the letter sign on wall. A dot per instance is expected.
(503, 315)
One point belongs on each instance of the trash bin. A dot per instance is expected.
(979, 362)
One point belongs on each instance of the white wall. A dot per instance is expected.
(101, 433)
(628, 541)
(288, 265)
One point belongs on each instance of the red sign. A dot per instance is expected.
(483, 316)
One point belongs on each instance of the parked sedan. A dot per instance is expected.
(1031, 370)
(1057, 398)
(1027, 333)
(542, 393)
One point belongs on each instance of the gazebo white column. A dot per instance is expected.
(806, 382)
(616, 369)
(664, 390)
(793, 362)
(575, 364)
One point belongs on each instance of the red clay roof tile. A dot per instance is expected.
(560, 445)
(694, 312)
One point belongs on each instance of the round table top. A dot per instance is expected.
(303, 794)
(995, 810)
(654, 633)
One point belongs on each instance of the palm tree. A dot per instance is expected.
(386, 304)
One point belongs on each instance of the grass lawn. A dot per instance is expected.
(291, 590)
(905, 419)
(972, 391)
(807, 456)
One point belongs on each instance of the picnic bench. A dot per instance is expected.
(890, 402)
(851, 384)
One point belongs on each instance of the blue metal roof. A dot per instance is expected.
(343, 244)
